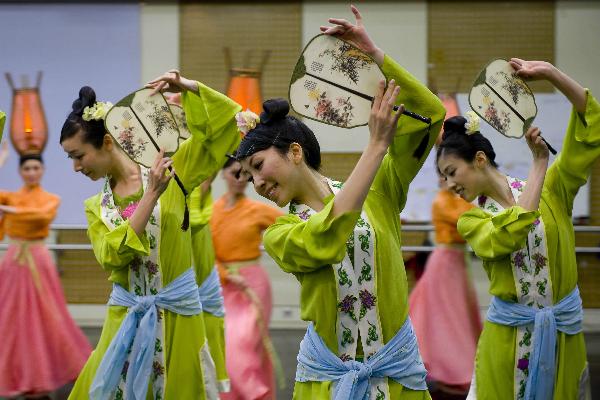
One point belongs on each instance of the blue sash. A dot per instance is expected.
(211, 295)
(399, 359)
(565, 316)
(138, 332)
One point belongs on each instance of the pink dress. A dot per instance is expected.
(443, 304)
(42, 348)
(237, 234)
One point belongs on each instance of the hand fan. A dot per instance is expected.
(142, 124)
(334, 82)
(504, 100)
(179, 116)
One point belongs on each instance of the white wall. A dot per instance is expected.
(577, 45)
(159, 26)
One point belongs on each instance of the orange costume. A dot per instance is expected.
(47, 349)
(237, 235)
(443, 304)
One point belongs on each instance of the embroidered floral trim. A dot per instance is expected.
(144, 277)
(532, 282)
(357, 315)
(129, 210)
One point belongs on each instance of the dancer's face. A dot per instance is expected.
(236, 185)
(31, 172)
(462, 177)
(91, 161)
(273, 174)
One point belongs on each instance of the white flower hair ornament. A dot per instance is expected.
(246, 121)
(96, 112)
(472, 124)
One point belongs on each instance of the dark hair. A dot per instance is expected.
(455, 141)
(26, 157)
(229, 162)
(93, 131)
(277, 128)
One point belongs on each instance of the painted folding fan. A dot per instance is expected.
(504, 100)
(142, 124)
(334, 82)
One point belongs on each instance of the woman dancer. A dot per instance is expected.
(154, 326)
(443, 304)
(237, 225)
(43, 349)
(531, 345)
(358, 319)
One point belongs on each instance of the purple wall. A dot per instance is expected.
(74, 45)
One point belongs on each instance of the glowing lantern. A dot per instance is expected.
(28, 126)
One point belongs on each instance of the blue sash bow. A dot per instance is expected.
(399, 359)
(211, 295)
(138, 332)
(565, 316)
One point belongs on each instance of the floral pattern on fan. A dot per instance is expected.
(348, 60)
(339, 113)
(161, 119)
(128, 142)
(500, 122)
(514, 86)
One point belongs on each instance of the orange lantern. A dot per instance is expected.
(244, 84)
(451, 105)
(28, 126)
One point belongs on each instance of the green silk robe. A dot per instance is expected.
(494, 238)
(307, 249)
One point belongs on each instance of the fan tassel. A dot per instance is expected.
(186, 213)
(420, 150)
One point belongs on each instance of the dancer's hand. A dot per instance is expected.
(172, 81)
(538, 148)
(530, 198)
(383, 119)
(160, 176)
(355, 34)
(532, 70)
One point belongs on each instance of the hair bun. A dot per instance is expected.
(454, 126)
(274, 109)
(87, 98)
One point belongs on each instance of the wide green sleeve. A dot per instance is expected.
(305, 246)
(210, 116)
(496, 236)
(114, 249)
(581, 148)
(399, 167)
(200, 207)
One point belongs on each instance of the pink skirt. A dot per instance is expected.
(445, 317)
(247, 315)
(42, 348)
